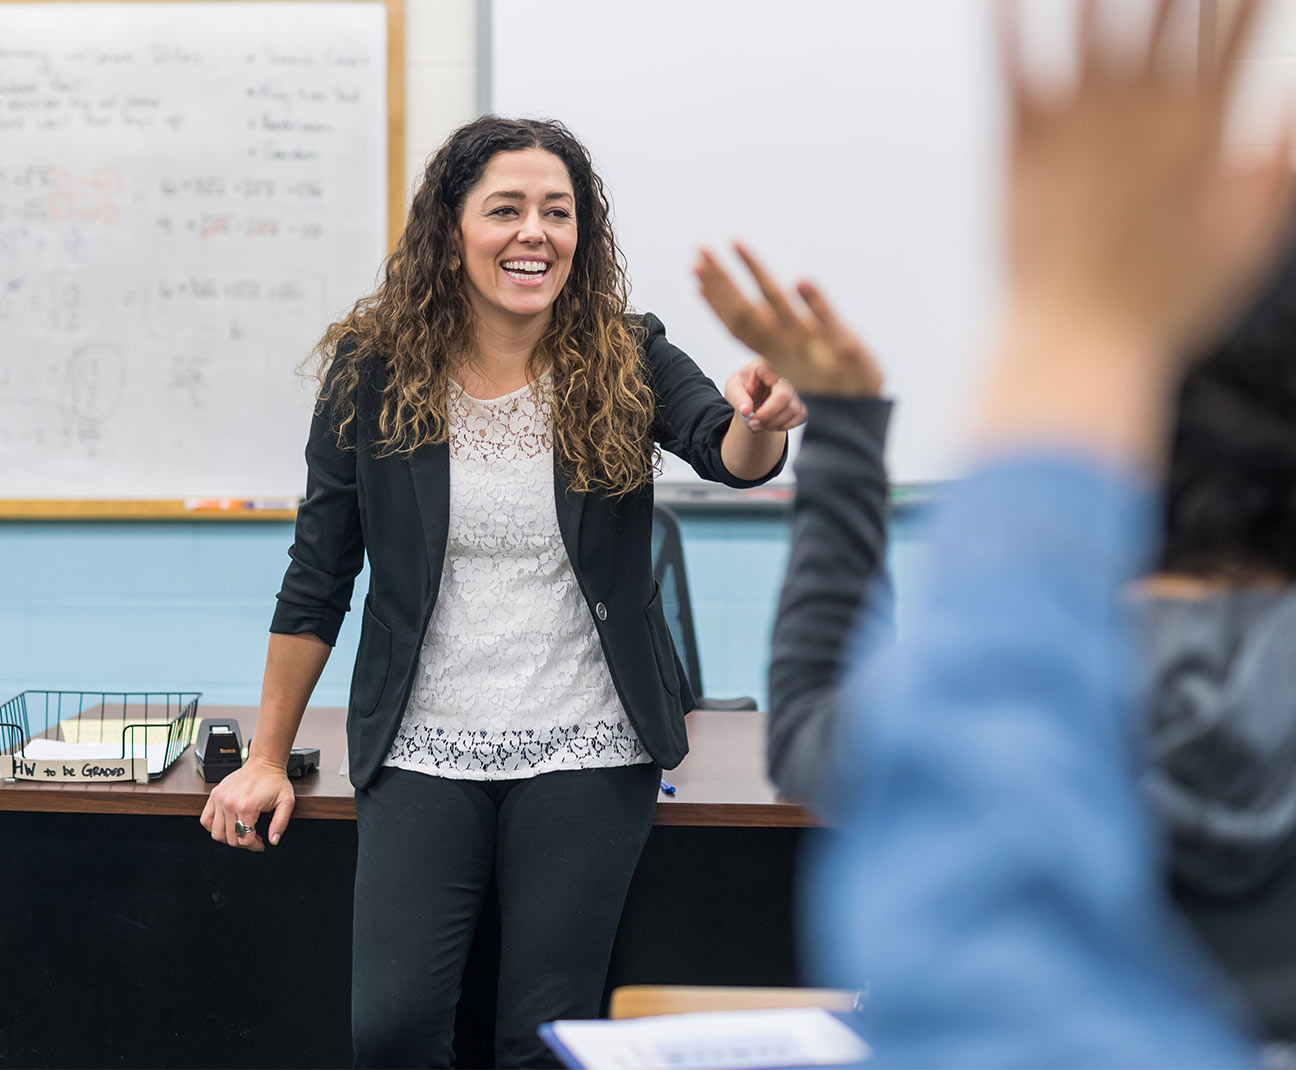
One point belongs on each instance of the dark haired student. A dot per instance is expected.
(485, 434)
(1219, 622)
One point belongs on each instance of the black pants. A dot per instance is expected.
(562, 848)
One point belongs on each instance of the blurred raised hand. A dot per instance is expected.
(1122, 206)
(1132, 239)
(810, 345)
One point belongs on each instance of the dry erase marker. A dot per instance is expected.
(668, 787)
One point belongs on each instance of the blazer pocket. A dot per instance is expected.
(373, 660)
(663, 646)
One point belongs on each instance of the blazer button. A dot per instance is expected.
(600, 611)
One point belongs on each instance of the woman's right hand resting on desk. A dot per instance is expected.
(243, 796)
(815, 351)
(293, 665)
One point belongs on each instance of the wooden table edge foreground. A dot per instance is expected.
(721, 783)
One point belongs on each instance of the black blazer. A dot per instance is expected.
(397, 509)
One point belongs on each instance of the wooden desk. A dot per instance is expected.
(131, 939)
(721, 783)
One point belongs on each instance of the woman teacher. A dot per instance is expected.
(485, 434)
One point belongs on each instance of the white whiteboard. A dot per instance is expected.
(189, 194)
(855, 141)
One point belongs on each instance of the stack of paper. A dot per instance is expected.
(727, 1040)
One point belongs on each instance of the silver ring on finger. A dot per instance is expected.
(241, 830)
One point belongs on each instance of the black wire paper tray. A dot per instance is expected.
(95, 737)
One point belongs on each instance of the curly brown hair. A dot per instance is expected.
(419, 320)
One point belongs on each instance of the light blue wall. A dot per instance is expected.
(147, 606)
(735, 568)
(185, 606)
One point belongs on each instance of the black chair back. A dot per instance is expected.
(668, 571)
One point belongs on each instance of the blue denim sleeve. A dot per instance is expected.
(996, 885)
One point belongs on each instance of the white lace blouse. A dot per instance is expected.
(511, 680)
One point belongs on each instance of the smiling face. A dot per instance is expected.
(517, 236)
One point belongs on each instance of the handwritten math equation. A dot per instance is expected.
(184, 207)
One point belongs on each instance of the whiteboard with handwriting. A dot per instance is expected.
(189, 194)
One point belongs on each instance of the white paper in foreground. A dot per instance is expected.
(725, 1040)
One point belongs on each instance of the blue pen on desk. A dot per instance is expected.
(668, 787)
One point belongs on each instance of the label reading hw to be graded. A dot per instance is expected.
(99, 770)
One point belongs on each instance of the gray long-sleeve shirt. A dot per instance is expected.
(1222, 709)
(1221, 776)
(837, 549)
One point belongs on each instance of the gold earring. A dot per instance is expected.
(454, 261)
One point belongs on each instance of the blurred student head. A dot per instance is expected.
(1230, 510)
